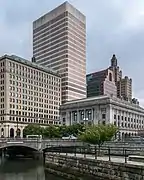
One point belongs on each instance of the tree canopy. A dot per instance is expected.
(98, 134)
(53, 131)
(33, 130)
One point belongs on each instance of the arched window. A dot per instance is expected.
(110, 76)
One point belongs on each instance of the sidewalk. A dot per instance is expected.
(106, 158)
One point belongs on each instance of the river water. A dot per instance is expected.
(24, 169)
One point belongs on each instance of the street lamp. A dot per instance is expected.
(8, 130)
(17, 127)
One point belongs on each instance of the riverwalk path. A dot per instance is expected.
(117, 159)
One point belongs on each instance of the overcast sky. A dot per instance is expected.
(113, 27)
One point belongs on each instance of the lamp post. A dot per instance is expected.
(8, 130)
(17, 129)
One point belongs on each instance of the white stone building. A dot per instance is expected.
(103, 109)
(29, 93)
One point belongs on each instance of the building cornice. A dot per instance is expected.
(85, 104)
(30, 64)
(126, 106)
(101, 101)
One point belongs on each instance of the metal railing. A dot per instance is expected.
(97, 153)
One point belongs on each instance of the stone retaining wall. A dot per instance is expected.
(90, 169)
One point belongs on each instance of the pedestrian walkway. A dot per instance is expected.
(105, 158)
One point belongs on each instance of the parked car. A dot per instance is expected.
(71, 137)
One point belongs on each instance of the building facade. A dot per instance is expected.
(110, 82)
(101, 83)
(59, 42)
(128, 117)
(30, 94)
(124, 85)
(126, 88)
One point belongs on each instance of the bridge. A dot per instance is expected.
(38, 144)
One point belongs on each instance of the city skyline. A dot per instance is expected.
(119, 31)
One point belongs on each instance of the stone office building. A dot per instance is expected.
(29, 94)
(128, 117)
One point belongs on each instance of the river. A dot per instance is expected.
(24, 170)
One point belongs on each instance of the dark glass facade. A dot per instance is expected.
(95, 84)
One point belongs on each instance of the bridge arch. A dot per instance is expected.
(13, 151)
(18, 145)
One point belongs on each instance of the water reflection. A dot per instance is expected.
(23, 170)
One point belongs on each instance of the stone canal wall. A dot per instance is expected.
(90, 169)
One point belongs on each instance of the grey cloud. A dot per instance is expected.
(112, 27)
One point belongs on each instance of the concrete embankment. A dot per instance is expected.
(91, 169)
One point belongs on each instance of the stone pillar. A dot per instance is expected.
(84, 113)
(99, 117)
(85, 117)
(95, 120)
(78, 116)
(68, 118)
(120, 120)
(71, 121)
(107, 113)
(38, 155)
(111, 114)
(130, 116)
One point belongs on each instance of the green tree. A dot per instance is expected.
(98, 134)
(90, 135)
(51, 132)
(33, 130)
(74, 129)
(63, 130)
